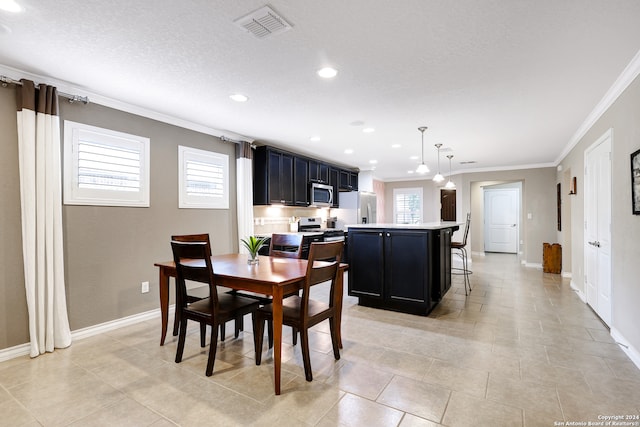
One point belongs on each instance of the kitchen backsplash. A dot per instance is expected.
(280, 219)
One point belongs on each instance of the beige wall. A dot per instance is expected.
(624, 118)
(108, 250)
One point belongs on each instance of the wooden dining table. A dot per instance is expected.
(271, 276)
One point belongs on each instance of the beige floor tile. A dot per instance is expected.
(416, 397)
(355, 411)
(540, 403)
(410, 420)
(464, 410)
(126, 412)
(14, 414)
(363, 380)
(470, 381)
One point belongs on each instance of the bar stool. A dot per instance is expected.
(462, 252)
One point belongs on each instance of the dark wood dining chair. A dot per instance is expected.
(196, 295)
(193, 262)
(301, 312)
(286, 245)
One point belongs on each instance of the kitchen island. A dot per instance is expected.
(400, 267)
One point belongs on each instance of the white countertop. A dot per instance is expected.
(303, 233)
(421, 226)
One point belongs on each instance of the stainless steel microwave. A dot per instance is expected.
(321, 195)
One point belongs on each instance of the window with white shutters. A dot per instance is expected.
(105, 167)
(407, 205)
(204, 179)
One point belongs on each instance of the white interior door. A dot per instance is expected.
(501, 220)
(597, 242)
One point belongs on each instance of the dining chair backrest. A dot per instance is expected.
(193, 262)
(204, 237)
(322, 266)
(281, 245)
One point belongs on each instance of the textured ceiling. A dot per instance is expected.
(503, 83)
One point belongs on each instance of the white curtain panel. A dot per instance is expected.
(41, 203)
(244, 172)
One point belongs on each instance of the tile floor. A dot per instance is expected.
(521, 350)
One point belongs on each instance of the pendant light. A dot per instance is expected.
(438, 177)
(422, 168)
(450, 185)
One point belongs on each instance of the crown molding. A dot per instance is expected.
(96, 98)
(623, 81)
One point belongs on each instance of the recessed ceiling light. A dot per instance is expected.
(373, 162)
(414, 157)
(238, 97)
(327, 72)
(396, 146)
(348, 151)
(314, 138)
(368, 130)
(10, 6)
(409, 171)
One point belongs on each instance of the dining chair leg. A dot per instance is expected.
(222, 332)
(294, 334)
(306, 359)
(181, 339)
(203, 333)
(213, 345)
(239, 325)
(258, 334)
(335, 340)
(270, 333)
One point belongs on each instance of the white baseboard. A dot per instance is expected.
(630, 350)
(567, 274)
(478, 254)
(25, 349)
(579, 292)
(532, 265)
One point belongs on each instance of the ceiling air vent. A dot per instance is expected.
(263, 22)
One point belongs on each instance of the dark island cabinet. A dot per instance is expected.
(367, 278)
(399, 269)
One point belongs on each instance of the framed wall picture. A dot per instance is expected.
(559, 205)
(635, 182)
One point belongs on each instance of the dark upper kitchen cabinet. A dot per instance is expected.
(300, 181)
(334, 181)
(318, 172)
(280, 177)
(348, 180)
(272, 177)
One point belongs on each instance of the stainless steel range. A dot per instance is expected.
(308, 224)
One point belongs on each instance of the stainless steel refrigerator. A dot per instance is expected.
(356, 207)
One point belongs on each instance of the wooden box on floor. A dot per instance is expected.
(551, 258)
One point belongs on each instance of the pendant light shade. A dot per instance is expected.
(438, 177)
(422, 168)
(450, 185)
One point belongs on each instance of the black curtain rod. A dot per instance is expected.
(72, 98)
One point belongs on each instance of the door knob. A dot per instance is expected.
(513, 225)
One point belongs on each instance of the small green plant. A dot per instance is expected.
(253, 244)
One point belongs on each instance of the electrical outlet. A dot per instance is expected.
(144, 288)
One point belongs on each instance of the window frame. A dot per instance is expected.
(73, 194)
(418, 191)
(187, 201)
